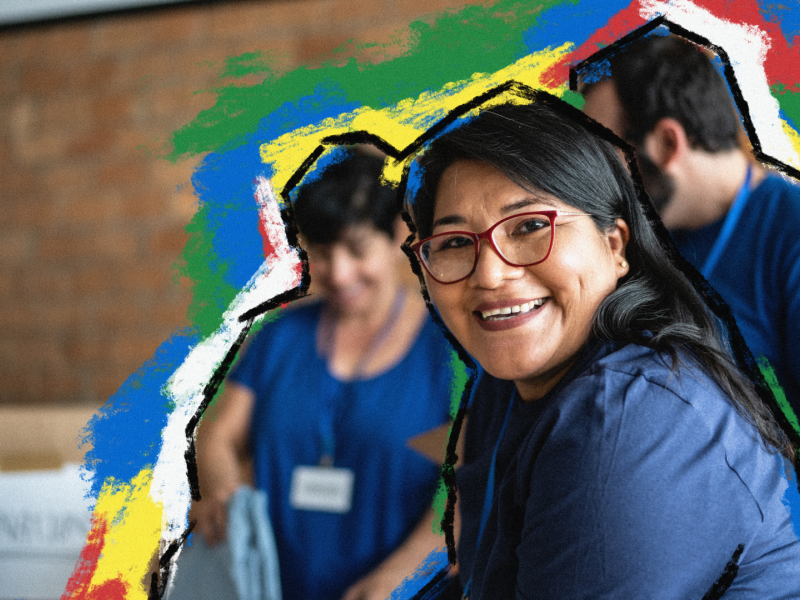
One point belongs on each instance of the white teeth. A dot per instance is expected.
(521, 308)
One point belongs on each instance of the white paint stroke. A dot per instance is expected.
(279, 273)
(747, 47)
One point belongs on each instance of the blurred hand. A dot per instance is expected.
(211, 515)
(377, 585)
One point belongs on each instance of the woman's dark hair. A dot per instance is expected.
(344, 192)
(654, 305)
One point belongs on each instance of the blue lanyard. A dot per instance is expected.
(327, 415)
(728, 225)
(489, 496)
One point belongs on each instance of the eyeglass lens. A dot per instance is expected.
(523, 240)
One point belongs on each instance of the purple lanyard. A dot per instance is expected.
(327, 416)
(728, 225)
(488, 497)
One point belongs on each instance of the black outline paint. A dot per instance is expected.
(741, 353)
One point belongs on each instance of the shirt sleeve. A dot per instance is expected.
(630, 496)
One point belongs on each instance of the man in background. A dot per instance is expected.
(736, 223)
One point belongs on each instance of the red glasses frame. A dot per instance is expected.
(488, 235)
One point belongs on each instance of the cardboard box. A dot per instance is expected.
(44, 511)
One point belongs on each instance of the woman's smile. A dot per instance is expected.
(526, 324)
(498, 316)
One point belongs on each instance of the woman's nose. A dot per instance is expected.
(342, 267)
(491, 270)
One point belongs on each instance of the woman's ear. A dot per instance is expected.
(618, 237)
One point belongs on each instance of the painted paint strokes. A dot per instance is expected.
(239, 258)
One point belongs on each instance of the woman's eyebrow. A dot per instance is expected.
(449, 220)
(526, 202)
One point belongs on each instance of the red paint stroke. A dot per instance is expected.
(779, 64)
(112, 589)
(78, 586)
(87, 563)
(618, 26)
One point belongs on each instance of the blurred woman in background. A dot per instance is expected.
(326, 397)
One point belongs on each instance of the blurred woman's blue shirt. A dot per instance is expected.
(321, 554)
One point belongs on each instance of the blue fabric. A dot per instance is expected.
(322, 554)
(758, 275)
(244, 567)
(627, 480)
(254, 557)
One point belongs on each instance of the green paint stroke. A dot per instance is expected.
(211, 294)
(777, 390)
(460, 377)
(452, 47)
(789, 101)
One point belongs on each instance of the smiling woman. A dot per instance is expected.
(613, 450)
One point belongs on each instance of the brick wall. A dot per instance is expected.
(90, 219)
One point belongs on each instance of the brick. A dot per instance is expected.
(352, 12)
(41, 316)
(169, 315)
(95, 278)
(86, 350)
(105, 383)
(144, 204)
(59, 42)
(20, 387)
(16, 183)
(121, 34)
(316, 50)
(40, 351)
(86, 208)
(17, 246)
(385, 43)
(170, 241)
(174, 106)
(44, 283)
(107, 73)
(60, 386)
(128, 174)
(66, 177)
(111, 110)
(10, 42)
(251, 19)
(114, 243)
(132, 350)
(43, 79)
(133, 278)
(412, 9)
(124, 314)
(89, 143)
(176, 27)
(30, 210)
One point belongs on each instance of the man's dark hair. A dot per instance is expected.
(660, 77)
(347, 191)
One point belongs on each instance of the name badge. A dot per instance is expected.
(324, 489)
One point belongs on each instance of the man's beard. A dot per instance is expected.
(659, 185)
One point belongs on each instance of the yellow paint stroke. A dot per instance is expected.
(404, 122)
(133, 533)
(794, 139)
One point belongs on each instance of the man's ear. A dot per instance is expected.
(667, 144)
